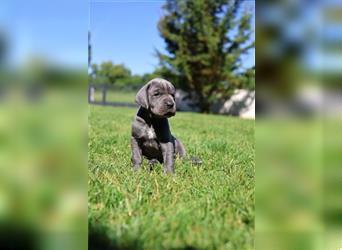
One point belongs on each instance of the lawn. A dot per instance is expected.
(200, 207)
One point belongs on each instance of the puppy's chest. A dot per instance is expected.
(150, 133)
(150, 138)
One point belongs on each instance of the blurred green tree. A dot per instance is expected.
(204, 41)
(108, 73)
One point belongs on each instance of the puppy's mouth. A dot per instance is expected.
(169, 114)
(163, 113)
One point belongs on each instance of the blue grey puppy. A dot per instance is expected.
(151, 135)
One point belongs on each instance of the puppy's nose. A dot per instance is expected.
(169, 104)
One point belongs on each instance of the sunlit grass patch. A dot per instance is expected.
(206, 207)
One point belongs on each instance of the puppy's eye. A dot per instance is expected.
(156, 94)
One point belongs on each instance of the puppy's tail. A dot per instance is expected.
(194, 160)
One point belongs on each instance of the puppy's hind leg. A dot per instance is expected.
(180, 151)
(179, 148)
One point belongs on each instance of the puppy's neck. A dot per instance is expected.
(148, 117)
(145, 114)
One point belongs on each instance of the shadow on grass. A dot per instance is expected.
(15, 236)
(98, 239)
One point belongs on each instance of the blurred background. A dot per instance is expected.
(299, 110)
(43, 124)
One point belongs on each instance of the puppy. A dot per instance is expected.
(151, 135)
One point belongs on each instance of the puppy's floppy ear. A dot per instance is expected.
(142, 96)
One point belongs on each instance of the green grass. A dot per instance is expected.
(205, 207)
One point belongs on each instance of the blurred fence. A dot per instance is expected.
(98, 95)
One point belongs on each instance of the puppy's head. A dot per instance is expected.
(158, 96)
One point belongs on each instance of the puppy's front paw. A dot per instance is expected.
(136, 167)
(169, 170)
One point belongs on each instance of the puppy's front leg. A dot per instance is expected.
(136, 154)
(168, 157)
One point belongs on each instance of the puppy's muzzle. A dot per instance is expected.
(169, 104)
